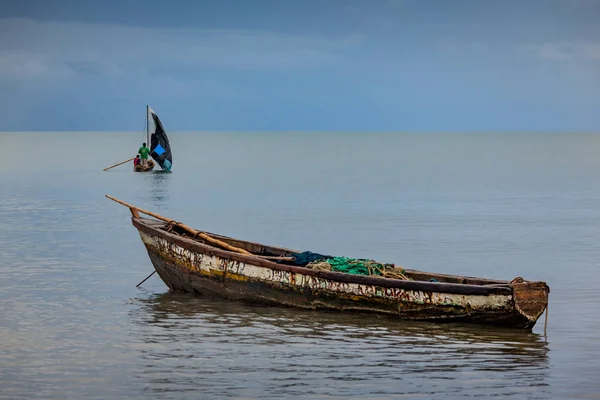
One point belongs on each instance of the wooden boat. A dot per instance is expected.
(214, 265)
(149, 166)
(158, 142)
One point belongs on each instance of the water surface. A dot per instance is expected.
(73, 324)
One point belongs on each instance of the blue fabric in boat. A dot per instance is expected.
(307, 257)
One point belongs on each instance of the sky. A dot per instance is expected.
(301, 65)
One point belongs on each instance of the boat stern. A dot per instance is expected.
(531, 299)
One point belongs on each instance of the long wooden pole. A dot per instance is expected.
(148, 125)
(122, 162)
(185, 227)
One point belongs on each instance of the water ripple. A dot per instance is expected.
(230, 350)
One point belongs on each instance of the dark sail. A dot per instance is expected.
(160, 150)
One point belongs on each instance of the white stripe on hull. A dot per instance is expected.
(202, 263)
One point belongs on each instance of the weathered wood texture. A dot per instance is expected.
(190, 265)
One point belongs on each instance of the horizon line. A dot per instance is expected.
(306, 131)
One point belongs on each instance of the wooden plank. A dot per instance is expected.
(182, 226)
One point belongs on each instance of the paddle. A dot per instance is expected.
(122, 162)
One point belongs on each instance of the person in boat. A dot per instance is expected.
(136, 160)
(144, 152)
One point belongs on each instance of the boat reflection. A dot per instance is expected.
(271, 345)
(172, 310)
(158, 184)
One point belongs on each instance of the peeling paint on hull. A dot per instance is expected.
(204, 272)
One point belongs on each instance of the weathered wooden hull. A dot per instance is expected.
(187, 265)
(147, 168)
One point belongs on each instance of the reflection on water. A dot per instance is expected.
(481, 205)
(222, 348)
(158, 184)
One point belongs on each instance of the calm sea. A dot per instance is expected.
(73, 324)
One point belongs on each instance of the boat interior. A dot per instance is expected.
(285, 256)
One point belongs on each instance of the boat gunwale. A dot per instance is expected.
(151, 227)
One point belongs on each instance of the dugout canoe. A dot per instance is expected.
(214, 265)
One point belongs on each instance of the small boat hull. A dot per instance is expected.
(191, 266)
(149, 167)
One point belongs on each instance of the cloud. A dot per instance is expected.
(169, 85)
(576, 50)
(479, 47)
(590, 51)
(31, 49)
(552, 51)
(377, 15)
(33, 66)
(452, 46)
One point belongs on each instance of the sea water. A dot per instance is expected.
(496, 205)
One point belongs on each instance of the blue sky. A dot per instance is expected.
(342, 65)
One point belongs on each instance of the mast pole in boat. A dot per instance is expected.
(147, 125)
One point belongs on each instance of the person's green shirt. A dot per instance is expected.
(144, 151)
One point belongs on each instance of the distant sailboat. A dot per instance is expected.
(158, 141)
